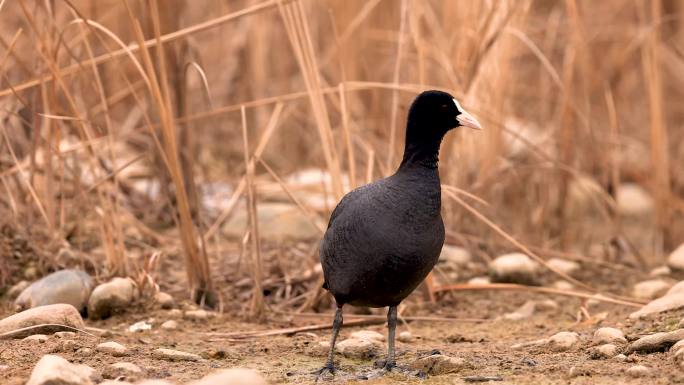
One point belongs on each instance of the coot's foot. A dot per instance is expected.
(328, 369)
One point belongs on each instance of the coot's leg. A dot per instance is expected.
(391, 361)
(329, 364)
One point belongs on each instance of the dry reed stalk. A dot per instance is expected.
(401, 32)
(614, 155)
(300, 39)
(659, 147)
(197, 263)
(257, 306)
(175, 35)
(347, 137)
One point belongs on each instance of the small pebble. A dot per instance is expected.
(37, 338)
(637, 371)
(563, 341)
(405, 337)
(170, 325)
(196, 315)
(65, 334)
(68, 346)
(175, 355)
(112, 348)
(84, 352)
(603, 351)
(139, 327)
(608, 335)
(621, 357)
(165, 300)
(367, 335)
(174, 313)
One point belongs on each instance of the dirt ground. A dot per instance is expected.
(486, 344)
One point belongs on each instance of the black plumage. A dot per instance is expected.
(385, 237)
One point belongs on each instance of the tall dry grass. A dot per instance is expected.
(116, 115)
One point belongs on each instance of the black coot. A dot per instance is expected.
(384, 238)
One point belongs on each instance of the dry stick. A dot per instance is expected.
(74, 68)
(257, 305)
(547, 290)
(347, 137)
(382, 317)
(18, 332)
(261, 146)
(293, 330)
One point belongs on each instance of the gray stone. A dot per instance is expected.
(656, 342)
(175, 355)
(234, 376)
(71, 287)
(438, 364)
(650, 289)
(514, 268)
(676, 259)
(277, 221)
(55, 370)
(59, 314)
(112, 348)
(112, 297)
(638, 371)
(607, 335)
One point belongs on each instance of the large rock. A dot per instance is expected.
(659, 305)
(676, 259)
(59, 314)
(277, 221)
(677, 288)
(111, 297)
(360, 348)
(65, 286)
(55, 370)
(650, 289)
(235, 376)
(514, 268)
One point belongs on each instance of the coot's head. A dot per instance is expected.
(433, 113)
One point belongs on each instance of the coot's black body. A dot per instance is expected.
(385, 237)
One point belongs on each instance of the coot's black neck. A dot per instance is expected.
(420, 151)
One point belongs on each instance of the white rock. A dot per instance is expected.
(564, 265)
(454, 256)
(650, 289)
(604, 351)
(175, 355)
(175, 313)
(621, 358)
(638, 371)
(164, 300)
(563, 341)
(633, 200)
(111, 297)
(367, 335)
(61, 314)
(660, 271)
(607, 335)
(438, 364)
(196, 315)
(359, 348)
(405, 337)
(55, 370)
(514, 268)
(170, 325)
(71, 287)
(676, 259)
(659, 305)
(479, 281)
(37, 338)
(140, 326)
(234, 376)
(562, 285)
(523, 312)
(112, 348)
